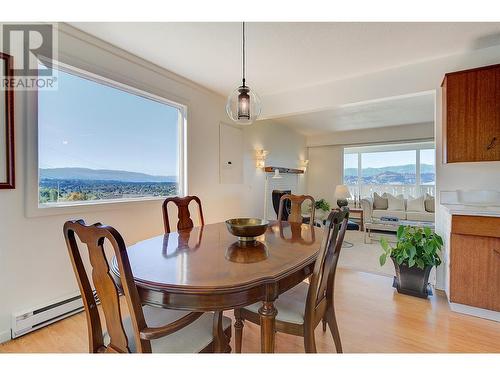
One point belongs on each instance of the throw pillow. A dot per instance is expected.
(380, 202)
(430, 203)
(416, 205)
(395, 203)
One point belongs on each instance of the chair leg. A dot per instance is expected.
(228, 341)
(309, 341)
(324, 324)
(238, 331)
(334, 329)
(228, 346)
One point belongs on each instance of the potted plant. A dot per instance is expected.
(416, 252)
(323, 207)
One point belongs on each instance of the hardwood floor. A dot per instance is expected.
(372, 319)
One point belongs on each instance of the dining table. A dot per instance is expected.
(206, 268)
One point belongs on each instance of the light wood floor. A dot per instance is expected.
(372, 318)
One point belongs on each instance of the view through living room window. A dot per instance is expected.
(100, 142)
(407, 169)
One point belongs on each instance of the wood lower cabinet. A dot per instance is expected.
(475, 261)
(471, 115)
(474, 278)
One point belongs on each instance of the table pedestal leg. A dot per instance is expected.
(267, 327)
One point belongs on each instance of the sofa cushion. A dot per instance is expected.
(420, 216)
(416, 204)
(400, 214)
(395, 203)
(380, 202)
(430, 203)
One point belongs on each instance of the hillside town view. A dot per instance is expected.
(391, 175)
(72, 184)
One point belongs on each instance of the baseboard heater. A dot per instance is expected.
(32, 320)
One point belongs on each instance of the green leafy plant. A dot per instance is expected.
(414, 246)
(322, 205)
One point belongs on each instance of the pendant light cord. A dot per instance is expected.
(243, 53)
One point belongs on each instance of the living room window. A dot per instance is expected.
(407, 169)
(101, 141)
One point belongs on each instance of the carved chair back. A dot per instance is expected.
(321, 284)
(183, 214)
(94, 237)
(296, 207)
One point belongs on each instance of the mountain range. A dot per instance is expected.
(100, 175)
(401, 169)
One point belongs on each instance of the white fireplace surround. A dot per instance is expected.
(288, 181)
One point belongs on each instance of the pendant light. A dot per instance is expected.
(243, 105)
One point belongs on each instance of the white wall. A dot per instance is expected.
(286, 148)
(326, 153)
(34, 266)
(324, 172)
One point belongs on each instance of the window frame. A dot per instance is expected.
(34, 208)
(389, 147)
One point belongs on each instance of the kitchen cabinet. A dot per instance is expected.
(471, 115)
(475, 261)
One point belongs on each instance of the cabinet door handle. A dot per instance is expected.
(492, 143)
(496, 252)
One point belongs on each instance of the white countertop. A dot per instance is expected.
(449, 200)
(460, 209)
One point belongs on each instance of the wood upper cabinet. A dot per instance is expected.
(475, 261)
(471, 115)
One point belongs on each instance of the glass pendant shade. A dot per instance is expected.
(243, 106)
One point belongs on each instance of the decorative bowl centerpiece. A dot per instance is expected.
(247, 229)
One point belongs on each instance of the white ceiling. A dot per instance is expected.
(406, 110)
(285, 56)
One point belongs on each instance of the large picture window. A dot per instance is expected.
(407, 169)
(103, 141)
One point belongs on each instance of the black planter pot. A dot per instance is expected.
(412, 280)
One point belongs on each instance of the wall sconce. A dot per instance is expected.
(260, 158)
(303, 164)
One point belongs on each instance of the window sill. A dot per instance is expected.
(66, 208)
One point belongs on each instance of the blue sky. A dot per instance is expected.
(90, 125)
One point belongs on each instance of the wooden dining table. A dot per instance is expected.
(207, 269)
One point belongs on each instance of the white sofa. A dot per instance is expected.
(370, 212)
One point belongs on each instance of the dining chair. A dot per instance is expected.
(183, 214)
(302, 308)
(147, 329)
(295, 214)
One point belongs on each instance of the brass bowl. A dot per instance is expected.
(247, 229)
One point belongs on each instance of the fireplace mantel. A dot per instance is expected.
(283, 170)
